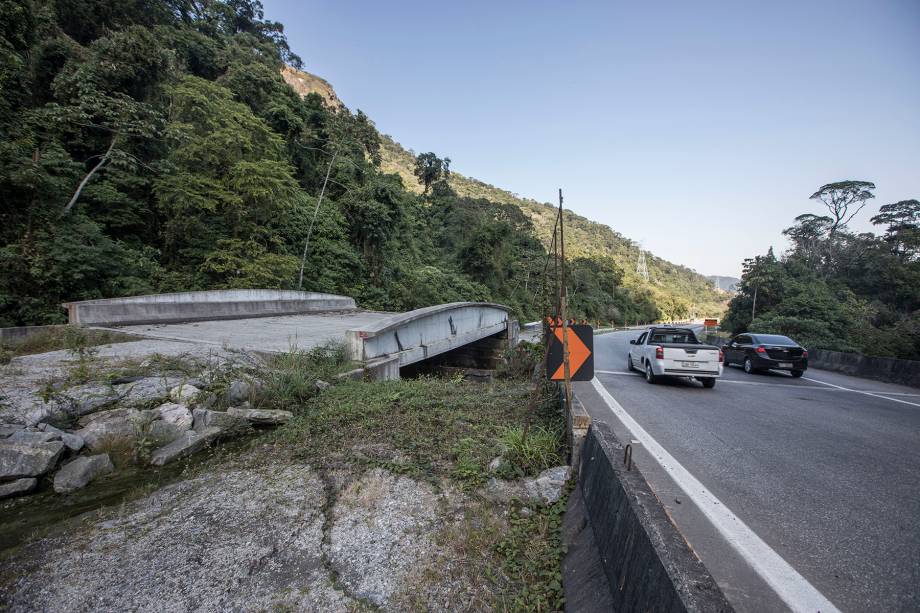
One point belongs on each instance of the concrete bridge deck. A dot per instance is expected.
(262, 320)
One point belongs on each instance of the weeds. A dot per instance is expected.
(63, 337)
(290, 380)
(529, 455)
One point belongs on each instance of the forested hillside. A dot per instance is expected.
(154, 146)
(835, 289)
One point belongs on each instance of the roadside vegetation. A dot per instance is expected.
(836, 289)
(79, 341)
(155, 147)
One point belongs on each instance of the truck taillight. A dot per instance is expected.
(760, 350)
(659, 353)
(804, 353)
(721, 356)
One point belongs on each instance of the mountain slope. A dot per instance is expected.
(584, 238)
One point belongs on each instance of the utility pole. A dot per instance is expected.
(564, 311)
(754, 306)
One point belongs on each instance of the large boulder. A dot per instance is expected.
(115, 424)
(19, 486)
(184, 393)
(242, 391)
(78, 473)
(230, 423)
(174, 419)
(147, 390)
(74, 442)
(261, 416)
(186, 444)
(28, 459)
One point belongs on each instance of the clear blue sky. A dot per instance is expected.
(669, 121)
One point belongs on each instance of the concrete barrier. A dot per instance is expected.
(199, 306)
(9, 336)
(890, 370)
(648, 563)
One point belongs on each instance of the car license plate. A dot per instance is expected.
(690, 364)
(785, 364)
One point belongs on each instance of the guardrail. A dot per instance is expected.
(890, 370)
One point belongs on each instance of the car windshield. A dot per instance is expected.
(775, 339)
(674, 336)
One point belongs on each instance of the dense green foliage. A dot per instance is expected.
(838, 290)
(153, 146)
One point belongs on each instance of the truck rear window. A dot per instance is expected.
(684, 337)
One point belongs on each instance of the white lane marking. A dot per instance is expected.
(790, 385)
(873, 394)
(789, 585)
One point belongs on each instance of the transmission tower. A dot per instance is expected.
(641, 266)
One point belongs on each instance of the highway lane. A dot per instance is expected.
(825, 470)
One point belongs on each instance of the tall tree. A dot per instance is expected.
(903, 232)
(844, 200)
(429, 168)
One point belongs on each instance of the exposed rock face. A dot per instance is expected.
(233, 540)
(261, 416)
(185, 445)
(305, 84)
(382, 529)
(19, 486)
(78, 473)
(19, 460)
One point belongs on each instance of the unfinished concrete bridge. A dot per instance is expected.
(465, 334)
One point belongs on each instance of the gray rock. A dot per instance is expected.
(495, 464)
(49, 428)
(74, 442)
(184, 393)
(547, 486)
(178, 415)
(147, 390)
(19, 486)
(503, 491)
(26, 436)
(28, 459)
(78, 473)
(186, 444)
(321, 385)
(89, 398)
(114, 424)
(383, 528)
(261, 416)
(206, 419)
(227, 540)
(8, 429)
(241, 391)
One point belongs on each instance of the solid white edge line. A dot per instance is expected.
(874, 395)
(792, 588)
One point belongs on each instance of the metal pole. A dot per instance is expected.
(754, 306)
(564, 311)
(303, 260)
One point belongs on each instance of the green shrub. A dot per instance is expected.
(529, 454)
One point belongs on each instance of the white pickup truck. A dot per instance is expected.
(675, 352)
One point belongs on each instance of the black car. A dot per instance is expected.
(766, 352)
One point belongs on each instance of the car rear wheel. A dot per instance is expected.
(748, 366)
(708, 382)
(798, 373)
(649, 375)
(629, 364)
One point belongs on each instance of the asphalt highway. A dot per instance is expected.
(823, 471)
